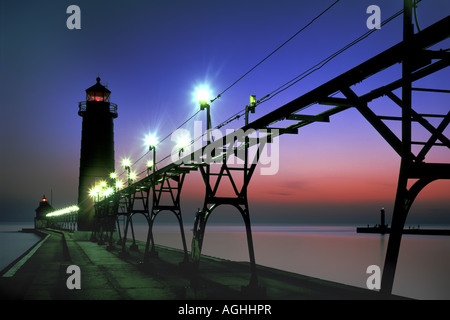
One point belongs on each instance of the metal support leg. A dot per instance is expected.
(150, 251)
(254, 278)
(171, 204)
(183, 238)
(403, 203)
(124, 239)
(395, 237)
(119, 231)
(147, 252)
(133, 246)
(198, 234)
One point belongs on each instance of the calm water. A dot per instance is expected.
(332, 253)
(12, 243)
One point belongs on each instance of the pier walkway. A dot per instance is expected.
(106, 275)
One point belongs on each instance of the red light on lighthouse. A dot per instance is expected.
(97, 92)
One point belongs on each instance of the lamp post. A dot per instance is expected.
(113, 177)
(151, 142)
(94, 192)
(182, 142)
(133, 176)
(249, 108)
(127, 165)
(203, 99)
(150, 165)
(103, 186)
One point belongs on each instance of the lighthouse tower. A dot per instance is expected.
(97, 148)
(40, 221)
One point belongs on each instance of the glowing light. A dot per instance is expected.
(151, 140)
(119, 184)
(252, 100)
(126, 162)
(94, 192)
(67, 210)
(103, 184)
(133, 175)
(183, 141)
(109, 191)
(203, 95)
(95, 98)
(113, 175)
(149, 163)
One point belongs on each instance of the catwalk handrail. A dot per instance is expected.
(112, 107)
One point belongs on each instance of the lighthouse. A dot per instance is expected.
(97, 148)
(40, 221)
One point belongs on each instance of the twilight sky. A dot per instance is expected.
(153, 54)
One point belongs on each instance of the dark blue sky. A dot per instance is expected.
(152, 54)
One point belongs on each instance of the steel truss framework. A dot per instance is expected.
(417, 62)
(146, 199)
(238, 179)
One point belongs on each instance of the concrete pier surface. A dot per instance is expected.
(109, 275)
